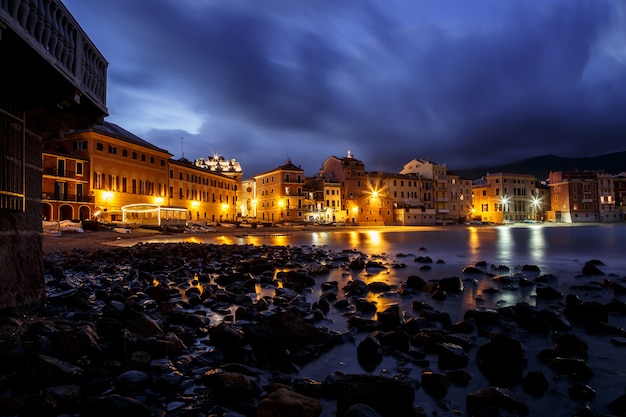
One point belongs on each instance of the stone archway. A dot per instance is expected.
(46, 212)
(84, 213)
(66, 212)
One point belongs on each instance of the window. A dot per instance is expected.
(112, 150)
(125, 153)
(124, 184)
(152, 159)
(80, 145)
(98, 179)
(79, 168)
(143, 157)
(99, 146)
(134, 155)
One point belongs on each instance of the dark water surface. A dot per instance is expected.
(560, 250)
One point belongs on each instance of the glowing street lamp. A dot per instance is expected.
(158, 201)
(504, 201)
(107, 195)
(535, 203)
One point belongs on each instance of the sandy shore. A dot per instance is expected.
(104, 238)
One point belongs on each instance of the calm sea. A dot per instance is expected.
(560, 250)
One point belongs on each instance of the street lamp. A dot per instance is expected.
(535, 203)
(505, 206)
(107, 195)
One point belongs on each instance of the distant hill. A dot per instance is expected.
(541, 166)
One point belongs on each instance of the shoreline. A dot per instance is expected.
(105, 238)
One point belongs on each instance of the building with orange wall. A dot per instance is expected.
(125, 169)
(280, 194)
(208, 196)
(66, 192)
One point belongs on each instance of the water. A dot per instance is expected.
(560, 250)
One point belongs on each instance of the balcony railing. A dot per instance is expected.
(51, 30)
(59, 172)
(68, 197)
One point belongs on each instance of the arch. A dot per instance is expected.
(84, 213)
(46, 211)
(66, 212)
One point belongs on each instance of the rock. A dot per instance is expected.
(392, 317)
(501, 360)
(582, 392)
(370, 352)
(131, 381)
(286, 403)
(494, 398)
(535, 383)
(360, 410)
(117, 405)
(435, 385)
(452, 356)
(389, 397)
(587, 311)
(576, 368)
(569, 345)
(231, 387)
(591, 268)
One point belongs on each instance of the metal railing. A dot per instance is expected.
(68, 197)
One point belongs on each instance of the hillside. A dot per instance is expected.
(541, 166)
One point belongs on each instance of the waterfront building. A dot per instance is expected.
(504, 198)
(620, 193)
(248, 199)
(208, 196)
(577, 196)
(364, 199)
(125, 169)
(66, 192)
(450, 194)
(280, 194)
(323, 202)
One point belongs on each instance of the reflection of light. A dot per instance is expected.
(537, 244)
(374, 237)
(473, 240)
(506, 244)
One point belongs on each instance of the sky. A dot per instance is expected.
(461, 83)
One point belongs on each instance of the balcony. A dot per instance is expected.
(51, 65)
(68, 197)
(63, 173)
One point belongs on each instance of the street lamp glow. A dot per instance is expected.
(224, 206)
(107, 195)
(158, 200)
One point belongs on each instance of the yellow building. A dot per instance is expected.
(280, 194)
(125, 169)
(504, 198)
(207, 196)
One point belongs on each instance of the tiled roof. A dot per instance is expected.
(113, 130)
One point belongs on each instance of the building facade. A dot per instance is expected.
(504, 198)
(66, 191)
(280, 194)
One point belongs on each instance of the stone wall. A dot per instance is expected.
(21, 254)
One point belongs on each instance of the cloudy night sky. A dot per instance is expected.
(465, 83)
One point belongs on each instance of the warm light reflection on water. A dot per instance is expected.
(505, 244)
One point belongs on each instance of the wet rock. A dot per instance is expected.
(131, 381)
(591, 268)
(576, 368)
(494, 398)
(231, 388)
(501, 360)
(570, 345)
(392, 317)
(366, 325)
(458, 377)
(582, 392)
(286, 403)
(117, 405)
(530, 268)
(423, 260)
(370, 352)
(452, 356)
(547, 292)
(618, 405)
(587, 311)
(389, 397)
(535, 383)
(450, 285)
(377, 287)
(360, 410)
(482, 316)
(435, 385)
(472, 270)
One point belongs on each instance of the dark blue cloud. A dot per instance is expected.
(461, 85)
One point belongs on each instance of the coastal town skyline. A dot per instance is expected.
(458, 85)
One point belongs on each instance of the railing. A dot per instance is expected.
(52, 31)
(59, 172)
(68, 197)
